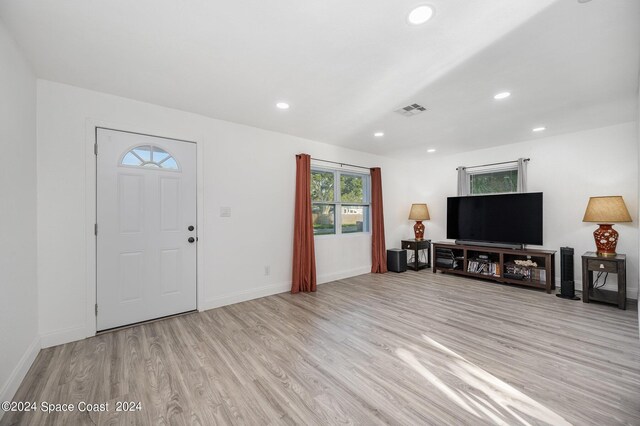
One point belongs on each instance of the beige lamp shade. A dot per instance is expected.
(419, 212)
(609, 209)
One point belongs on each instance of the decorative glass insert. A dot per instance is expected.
(149, 156)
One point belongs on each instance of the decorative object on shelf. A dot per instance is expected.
(606, 211)
(419, 212)
(527, 263)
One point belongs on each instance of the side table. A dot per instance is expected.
(617, 264)
(416, 246)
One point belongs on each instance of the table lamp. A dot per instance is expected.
(419, 212)
(605, 211)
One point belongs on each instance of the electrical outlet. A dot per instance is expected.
(267, 270)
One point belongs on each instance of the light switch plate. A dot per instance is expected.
(225, 211)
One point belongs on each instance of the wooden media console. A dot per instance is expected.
(505, 265)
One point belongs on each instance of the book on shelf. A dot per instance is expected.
(483, 267)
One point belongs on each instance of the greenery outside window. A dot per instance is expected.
(493, 181)
(341, 201)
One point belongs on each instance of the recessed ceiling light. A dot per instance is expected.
(431, 150)
(420, 15)
(378, 134)
(502, 95)
(539, 129)
(282, 105)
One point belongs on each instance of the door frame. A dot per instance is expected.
(91, 212)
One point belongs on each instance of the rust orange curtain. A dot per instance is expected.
(378, 249)
(304, 258)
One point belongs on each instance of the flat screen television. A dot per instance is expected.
(503, 218)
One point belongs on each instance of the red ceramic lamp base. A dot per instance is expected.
(418, 230)
(606, 240)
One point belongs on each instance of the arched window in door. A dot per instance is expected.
(149, 156)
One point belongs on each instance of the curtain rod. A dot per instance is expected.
(341, 164)
(491, 164)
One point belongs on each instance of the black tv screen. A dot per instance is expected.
(504, 218)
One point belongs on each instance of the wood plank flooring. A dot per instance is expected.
(411, 348)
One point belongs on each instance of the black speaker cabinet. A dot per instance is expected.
(396, 260)
(567, 283)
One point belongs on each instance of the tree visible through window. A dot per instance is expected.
(494, 182)
(340, 202)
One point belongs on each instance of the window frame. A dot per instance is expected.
(491, 170)
(143, 164)
(338, 203)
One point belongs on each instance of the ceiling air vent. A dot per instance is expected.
(411, 110)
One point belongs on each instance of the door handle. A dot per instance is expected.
(191, 240)
(191, 228)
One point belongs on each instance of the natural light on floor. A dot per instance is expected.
(484, 395)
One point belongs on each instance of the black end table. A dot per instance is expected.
(416, 246)
(617, 264)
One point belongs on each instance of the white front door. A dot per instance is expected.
(146, 236)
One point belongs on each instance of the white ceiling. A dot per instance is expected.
(345, 66)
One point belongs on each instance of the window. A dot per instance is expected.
(149, 156)
(493, 181)
(340, 202)
(495, 178)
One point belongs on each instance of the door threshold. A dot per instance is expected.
(135, 324)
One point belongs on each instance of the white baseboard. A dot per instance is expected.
(256, 293)
(326, 278)
(243, 296)
(18, 374)
(63, 336)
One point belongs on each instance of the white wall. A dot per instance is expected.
(19, 343)
(568, 169)
(245, 168)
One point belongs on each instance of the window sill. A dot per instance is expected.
(350, 235)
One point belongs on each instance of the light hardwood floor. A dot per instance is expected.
(411, 348)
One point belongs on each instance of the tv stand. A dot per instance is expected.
(486, 244)
(504, 265)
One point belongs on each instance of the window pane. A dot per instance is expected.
(131, 160)
(324, 219)
(494, 182)
(159, 154)
(169, 164)
(143, 152)
(355, 219)
(351, 189)
(150, 157)
(322, 186)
